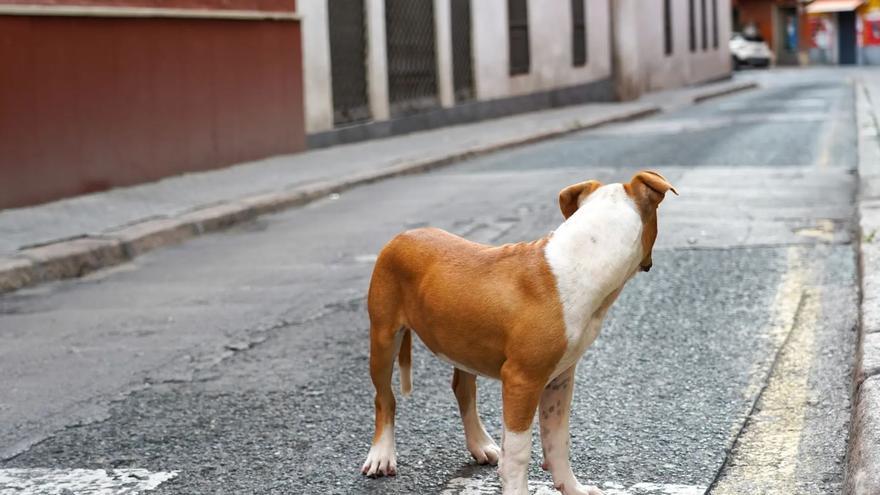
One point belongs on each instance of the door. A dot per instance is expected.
(787, 40)
(846, 36)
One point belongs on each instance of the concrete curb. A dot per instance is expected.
(76, 257)
(863, 453)
(724, 91)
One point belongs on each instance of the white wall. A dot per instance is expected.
(550, 28)
(638, 41)
(683, 67)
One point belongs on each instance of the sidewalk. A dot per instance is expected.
(863, 457)
(71, 237)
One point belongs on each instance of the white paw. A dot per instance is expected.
(486, 452)
(580, 489)
(381, 461)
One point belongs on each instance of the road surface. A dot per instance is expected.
(237, 362)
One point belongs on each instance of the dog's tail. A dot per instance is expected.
(404, 359)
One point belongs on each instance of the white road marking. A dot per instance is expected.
(80, 481)
(492, 485)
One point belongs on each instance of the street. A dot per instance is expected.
(239, 360)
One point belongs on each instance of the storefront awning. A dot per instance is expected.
(825, 6)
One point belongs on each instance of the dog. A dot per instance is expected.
(523, 313)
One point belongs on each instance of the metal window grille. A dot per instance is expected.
(518, 36)
(692, 25)
(348, 52)
(704, 26)
(412, 66)
(667, 27)
(462, 62)
(579, 32)
(715, 24)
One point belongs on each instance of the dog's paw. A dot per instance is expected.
(579, 489)
(381, 461)
(486, 452)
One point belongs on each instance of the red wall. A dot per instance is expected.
(760, 13)
(271, 5)
(92, 103)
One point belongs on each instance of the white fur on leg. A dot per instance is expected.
(382, 459)
(479, 443)
(514, 463)
(554, 415)
(405, 380)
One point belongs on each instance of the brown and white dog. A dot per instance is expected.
(522, 313)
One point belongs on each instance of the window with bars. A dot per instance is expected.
(462, 64)
(412, 63)
(518, 36)
(704, 26)
(579, 32)
(715, 24)
(667, 27)
(348, 71)
(692, 25)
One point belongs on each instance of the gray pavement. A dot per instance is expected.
(238, 361)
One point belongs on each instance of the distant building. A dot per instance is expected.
(781, 23)
(96, 94)
(845, 31)
(379, 67)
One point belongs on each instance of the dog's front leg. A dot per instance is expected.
(520, 394)
(555, 438)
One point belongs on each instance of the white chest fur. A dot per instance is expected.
(592, 255)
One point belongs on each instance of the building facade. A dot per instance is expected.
(96, 94)
(844, 32)
(380, 67)
(783, 24)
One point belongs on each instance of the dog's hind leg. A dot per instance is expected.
(404, 360)
(384, 345)
(479, 443)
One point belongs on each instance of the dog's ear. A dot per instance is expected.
(572, 196)
(648, 188)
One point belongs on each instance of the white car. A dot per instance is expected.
(749, 50)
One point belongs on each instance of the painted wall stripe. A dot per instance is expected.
(146, 12)
(80, 481)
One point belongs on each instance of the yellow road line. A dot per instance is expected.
(765, 457)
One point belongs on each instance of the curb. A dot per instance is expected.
(734, 88)
(79, 256)
(862, 476)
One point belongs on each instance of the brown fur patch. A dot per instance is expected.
(647, 189)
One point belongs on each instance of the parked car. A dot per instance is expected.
(749, 49)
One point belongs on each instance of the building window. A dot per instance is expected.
(704, 26)
(348, 69)
(462, 63)
(692, 26)
(518, 36)
(667, 27)
(715, 24)
(579, 32)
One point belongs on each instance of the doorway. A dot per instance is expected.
(846, 37)
(787, 41)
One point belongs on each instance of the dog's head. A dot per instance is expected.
(646, 190)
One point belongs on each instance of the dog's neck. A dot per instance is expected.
(595, 251)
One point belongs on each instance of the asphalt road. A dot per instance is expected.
(238, 361)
